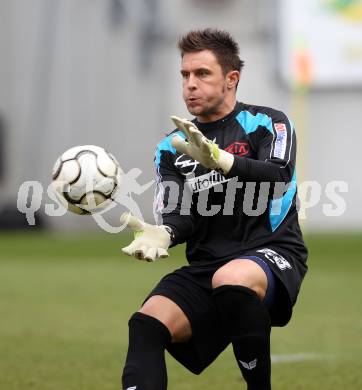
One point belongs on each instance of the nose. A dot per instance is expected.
(191, 83)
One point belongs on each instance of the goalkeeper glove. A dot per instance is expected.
(199, 148)
(151, 241)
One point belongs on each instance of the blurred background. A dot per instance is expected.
(106, 72)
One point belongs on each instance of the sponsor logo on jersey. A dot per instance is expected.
(238, 148)
(250, 365)
(185, 164)
(280, 127)
(275, 258)
(204, 182)
(281, 140)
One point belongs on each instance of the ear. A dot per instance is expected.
(232, 79)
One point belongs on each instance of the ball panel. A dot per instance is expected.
(117, 186)
(77, 210)
(106, 165)
(73, 152)
(56, 168)
(88, 164)
(69, 171)
(93, 199)
(105, 186)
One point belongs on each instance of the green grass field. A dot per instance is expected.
(65, 302)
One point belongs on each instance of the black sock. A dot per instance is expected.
(145, 367)
(247, 321)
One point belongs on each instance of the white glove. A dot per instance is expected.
(199, 148)
(151, 241)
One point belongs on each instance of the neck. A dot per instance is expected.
(223, 110)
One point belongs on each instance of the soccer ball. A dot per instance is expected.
(86, 179)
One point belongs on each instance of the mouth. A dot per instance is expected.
(192, 99)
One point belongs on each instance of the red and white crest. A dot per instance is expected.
(280, 127)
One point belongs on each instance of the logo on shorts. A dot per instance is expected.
(275, 258)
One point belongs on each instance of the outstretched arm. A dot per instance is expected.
(173, 214)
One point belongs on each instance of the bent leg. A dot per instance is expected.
(150, 331)
(239, 288)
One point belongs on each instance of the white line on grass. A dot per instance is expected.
(296, 357)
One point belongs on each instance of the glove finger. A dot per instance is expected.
(178, 122)
(183, 125)
(162, 253)
(207, 146)
(193, 133)
(180, 145)
(131, 248)
(196, 136)
(126, 251)
(132, 222)
(151, 254)
(140, 253)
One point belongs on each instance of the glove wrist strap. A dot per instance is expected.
(225, 162)
(170, 232)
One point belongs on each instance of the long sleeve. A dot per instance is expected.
(172, 198)
(275, 143)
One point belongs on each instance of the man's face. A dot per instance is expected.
(204, 84)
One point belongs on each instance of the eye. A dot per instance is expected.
(203, 73)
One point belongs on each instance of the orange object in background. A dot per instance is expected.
(302, 67)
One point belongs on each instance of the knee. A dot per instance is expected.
(244, 273)
(169, 314)
(141, 324)
(223, 277)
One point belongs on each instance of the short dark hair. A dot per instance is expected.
(220, 42)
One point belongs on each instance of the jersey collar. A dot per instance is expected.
(207, 126)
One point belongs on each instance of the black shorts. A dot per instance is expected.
(190, 288)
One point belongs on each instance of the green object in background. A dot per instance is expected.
(65, 302)
(341, 4)
(351, 10)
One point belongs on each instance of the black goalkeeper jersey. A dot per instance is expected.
(253, 206)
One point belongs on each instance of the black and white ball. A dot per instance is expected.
(86, 179)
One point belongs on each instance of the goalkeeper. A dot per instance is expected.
(246, 261)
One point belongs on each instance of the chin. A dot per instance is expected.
(193, 111)
(196, 111)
